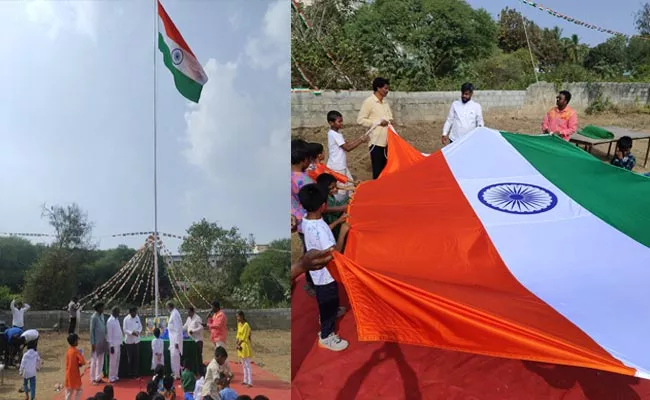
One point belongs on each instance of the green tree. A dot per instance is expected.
(608, 59)
(16, 257)
(270, 271)
(214, 258)
(101, 266)
(53, 279)
(512, 35)
(642, 19)
(507, 71)
(416, 43)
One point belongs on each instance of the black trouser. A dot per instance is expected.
(328, 305)
(72, 326)
(378, 160)
(199, 348)
(310, 281)
(132, 359)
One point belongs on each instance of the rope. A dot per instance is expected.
(138, 278)
(170, 266)
(164, 249)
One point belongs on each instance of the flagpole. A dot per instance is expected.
(155, 162)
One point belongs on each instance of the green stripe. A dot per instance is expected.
(188, 87)
(616, 196)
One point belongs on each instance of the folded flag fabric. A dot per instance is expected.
(507, 245)
(596, 132)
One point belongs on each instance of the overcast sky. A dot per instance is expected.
(615, 15)
(77, 126)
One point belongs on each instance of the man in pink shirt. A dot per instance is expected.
(561, 120)
(217, 325)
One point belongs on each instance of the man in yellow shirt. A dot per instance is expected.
(375, 110)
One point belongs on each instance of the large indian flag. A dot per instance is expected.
(188, 74)
(507, 245)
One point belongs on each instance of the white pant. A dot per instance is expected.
(114, 364)
(175, 359)
(72, 394)
(248, 372)
(96, 366)
(342, 194)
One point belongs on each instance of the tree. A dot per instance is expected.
(512, 35)
(270, 271)
(16, 257)
(424, 41)
(101, 266)
(642, 20)
(214, 258)
(506, 71)
(53, 279)
(73, 230)
(608, 59)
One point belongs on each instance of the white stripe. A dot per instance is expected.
(594, 275)
(190, 66)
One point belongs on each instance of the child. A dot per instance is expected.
(244, 350)
(319, 236)
(30, 363)
(337, 147)
(299, 163)
(168, 388)
(188, 382)
(328, 183)
(623, 157)
(200, 381)
(109, 393)
(225, 391)
(158, 375)
(74, 360)
(157, 348)
(153, 387)
(217, 367)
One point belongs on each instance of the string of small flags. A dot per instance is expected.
(577, 21)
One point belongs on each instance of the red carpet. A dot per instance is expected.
(371, 370)
(264, 383)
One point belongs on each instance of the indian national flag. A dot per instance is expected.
(189, 76)
(506, 245)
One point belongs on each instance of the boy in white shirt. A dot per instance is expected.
(318, 236)
(337, 148)
(157, 349)
(30, 363)
(464, 115)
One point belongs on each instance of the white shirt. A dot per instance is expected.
(18, 315)
(337, 158)
(30, 335)
(157, 346)
(462, 118)
(198, 388)
(319, 236)
(29, 364)
(130, 325)
(175, 330)
(114, 332)
(194, 324)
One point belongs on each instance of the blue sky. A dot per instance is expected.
(77, 104)
(618, 15)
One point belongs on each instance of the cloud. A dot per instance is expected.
(268, 49)
(78, 17)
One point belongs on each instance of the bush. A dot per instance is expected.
(5, 297)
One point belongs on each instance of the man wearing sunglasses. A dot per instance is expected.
(561, 120)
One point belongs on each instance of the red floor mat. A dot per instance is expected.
(264, 383)
(378, 370)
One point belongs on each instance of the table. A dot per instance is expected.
(190, 357)
(589, 143)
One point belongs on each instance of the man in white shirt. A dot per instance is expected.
(18, 313)
(132, 329)
(194, 327)
(30, 335)
(175, 330)
(464, 115)
(73, 307)
(114, 337)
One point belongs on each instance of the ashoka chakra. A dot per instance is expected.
(517, 198)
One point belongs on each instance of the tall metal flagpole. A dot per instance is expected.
(155, 161)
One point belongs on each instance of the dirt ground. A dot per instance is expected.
(426, 137)
(271, 351)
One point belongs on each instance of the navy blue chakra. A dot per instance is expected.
(517, 198)
(177, 56)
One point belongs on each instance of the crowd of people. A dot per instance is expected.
(107, 336)
(320, 190)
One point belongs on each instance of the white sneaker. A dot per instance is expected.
(333, 342)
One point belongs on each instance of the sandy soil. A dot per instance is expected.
(271, 349)
(426, 138)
